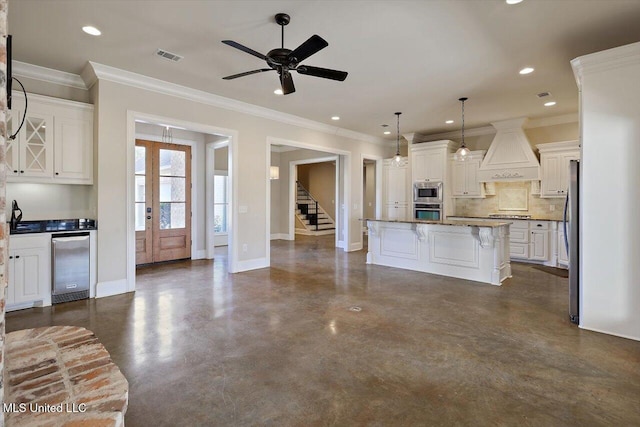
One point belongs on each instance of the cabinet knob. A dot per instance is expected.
(11, 257)
(57, 173)
(17, 256)
(15, 171)
(539, 225)
(21, 171)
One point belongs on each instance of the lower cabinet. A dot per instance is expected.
(563, 257)
(519, 240)
(539, 241)
(29, 271)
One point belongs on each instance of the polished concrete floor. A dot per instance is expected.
(281, 346)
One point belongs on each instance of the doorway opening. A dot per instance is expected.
(162, 201)
(201, 145)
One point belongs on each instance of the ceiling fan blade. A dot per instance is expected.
(247, 73)
(314, 44)
(244, 49)
(325, 73)
(287, 83)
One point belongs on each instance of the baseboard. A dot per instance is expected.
(340, 244)
(251, 264)
(303, 232)
(200, 254)
(355, 247)
(280, 236)
(601, 331)
(110, 288)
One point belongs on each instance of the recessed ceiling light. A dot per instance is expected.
(335, 118)
(387, 132)
(449, 122)
(550, 104)
(514, 1)
(278, 92)
(526, 70)
(91, 30)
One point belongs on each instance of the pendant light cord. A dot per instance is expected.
(462, 100)
(398, 134)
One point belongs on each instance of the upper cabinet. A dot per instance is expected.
(554, 162)
(464, 176)
(55, 143)
(429, 161)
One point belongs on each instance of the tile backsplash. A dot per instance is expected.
(511, 198)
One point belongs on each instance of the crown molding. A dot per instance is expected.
(490, 130)
(50, 75)
(95, 71)
(605, 60)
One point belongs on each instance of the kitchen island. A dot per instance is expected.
(467, 249)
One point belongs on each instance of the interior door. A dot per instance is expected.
(165, 208)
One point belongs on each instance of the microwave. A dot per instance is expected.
(427, 192)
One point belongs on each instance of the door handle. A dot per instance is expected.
(148, 216)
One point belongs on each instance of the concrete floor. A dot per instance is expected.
(280, 346)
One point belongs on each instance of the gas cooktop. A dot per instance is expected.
(509, 216)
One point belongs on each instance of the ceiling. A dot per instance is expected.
(417, 57)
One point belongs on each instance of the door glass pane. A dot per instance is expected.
(172, 163)
(220, 218)
(140, 221)
(172, 215)
(219, 189)
(140, 188)
(35, 130)
(172, 189)
(140, 165)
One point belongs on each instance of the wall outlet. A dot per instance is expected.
(245, 247)
(552, 208)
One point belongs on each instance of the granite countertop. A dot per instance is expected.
(53, 225)
(532, 218)
(455, 223)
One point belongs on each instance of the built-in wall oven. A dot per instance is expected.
(427, 211)
(427, 192)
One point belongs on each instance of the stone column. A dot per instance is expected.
(3, 179)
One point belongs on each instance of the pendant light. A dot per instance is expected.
(397, 158)
(463, 152)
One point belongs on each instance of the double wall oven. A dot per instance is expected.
(427, 200)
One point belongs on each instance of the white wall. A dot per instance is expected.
(114, 100)
(610, 194)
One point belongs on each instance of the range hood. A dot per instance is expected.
(510, 156)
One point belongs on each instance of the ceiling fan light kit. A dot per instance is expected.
(285, 60)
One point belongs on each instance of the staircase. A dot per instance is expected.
(315, 220)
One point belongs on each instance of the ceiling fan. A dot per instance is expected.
(285, 60)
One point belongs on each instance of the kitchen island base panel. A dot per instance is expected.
(466, 252)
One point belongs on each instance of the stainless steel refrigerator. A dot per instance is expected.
(572, 238)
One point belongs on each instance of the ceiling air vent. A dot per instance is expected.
(543, 94)
(168, 55)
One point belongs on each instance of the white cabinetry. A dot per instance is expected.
(395, 189)
(539, 241)
(554, 163)
(55, 144)
(563, 257)
(464, 177)
(519, 240)
(29, 271)
(430, 160)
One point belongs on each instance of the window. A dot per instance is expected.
(220, 203)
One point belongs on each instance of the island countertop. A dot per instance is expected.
(450, 222)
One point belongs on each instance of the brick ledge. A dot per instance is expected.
(62, 368)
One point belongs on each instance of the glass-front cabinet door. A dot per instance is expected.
(30, 154)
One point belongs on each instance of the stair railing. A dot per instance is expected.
(301, 187)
